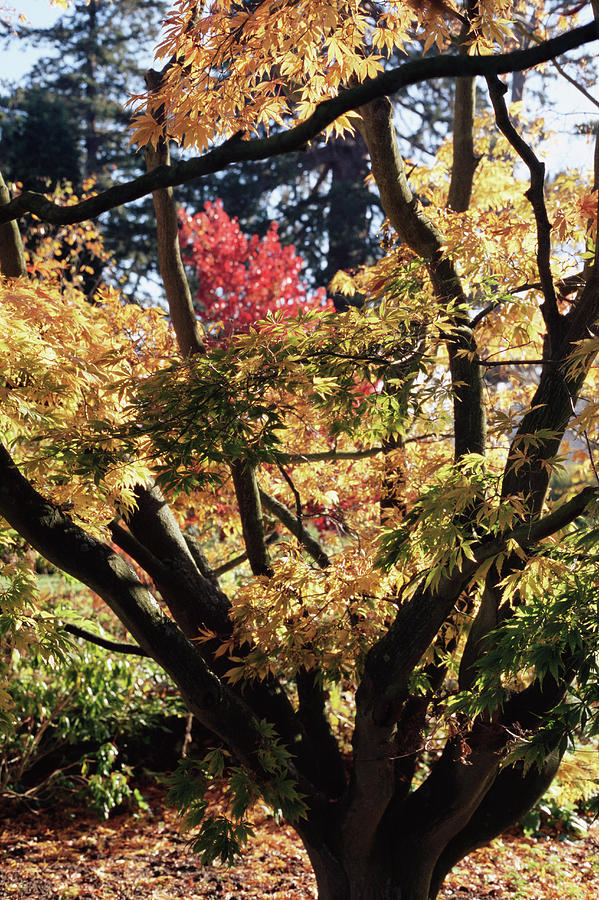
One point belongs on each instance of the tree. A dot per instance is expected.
(21, 148)
(448, 610)
(240, 281)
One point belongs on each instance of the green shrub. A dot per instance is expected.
(77, 727)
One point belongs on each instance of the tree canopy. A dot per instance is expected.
(407, 478)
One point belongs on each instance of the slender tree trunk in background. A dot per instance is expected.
(464, 160)
(347, 217)
(172, 271)
(518, 83)
(92, 139)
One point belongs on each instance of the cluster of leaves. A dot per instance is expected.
(552, 633)
(75, 255)
(302, 616)
(572, 798)
(26, 627)
(237, 68)
(223, 835)
(60, 360)
(457, 507)
(243, 400)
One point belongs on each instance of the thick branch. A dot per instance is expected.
(201, 561)
(459, 787)
(391, 661)
(325, 455)
(190, 342)
(237, 150)
(553, 403)
(385, 684)
(512, 794)
(252, 521)
(312, 714)
(173, 276)
(416, 229)
(193, 600)
(137, 551)
(464, 161)
(70, 548)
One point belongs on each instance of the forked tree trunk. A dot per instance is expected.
(410, 859)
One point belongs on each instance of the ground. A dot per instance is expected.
(63, 854)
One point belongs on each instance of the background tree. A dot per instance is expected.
(90, 59)
(240, 281)
(468, 615)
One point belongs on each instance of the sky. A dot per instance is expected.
(15, 62)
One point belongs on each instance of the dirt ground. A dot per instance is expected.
(63, 854)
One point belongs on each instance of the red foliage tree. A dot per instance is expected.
(241, 279)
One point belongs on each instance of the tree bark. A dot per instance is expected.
(464, 159)
(12, 254)
(176, 287)
(415, 228)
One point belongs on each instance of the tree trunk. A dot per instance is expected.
(12, 254)
(379, 875)
(423, 835)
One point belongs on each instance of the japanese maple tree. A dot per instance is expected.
(400, 688)
(240, 279)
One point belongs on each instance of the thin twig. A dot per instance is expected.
(241, 558)
(489, 363)
(296, 527)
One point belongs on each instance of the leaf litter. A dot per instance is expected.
(65, 853)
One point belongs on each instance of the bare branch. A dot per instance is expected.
(252, 521)
(194, 600)
(579, 87)
(242, 557)
(325, 455)
(200, 559)
(490, 363)
(294, 491)
(174, 279)
(137, 551)
(114, 646)
(296, 528)
(536, 195)
(464, 160)
(416, 229)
